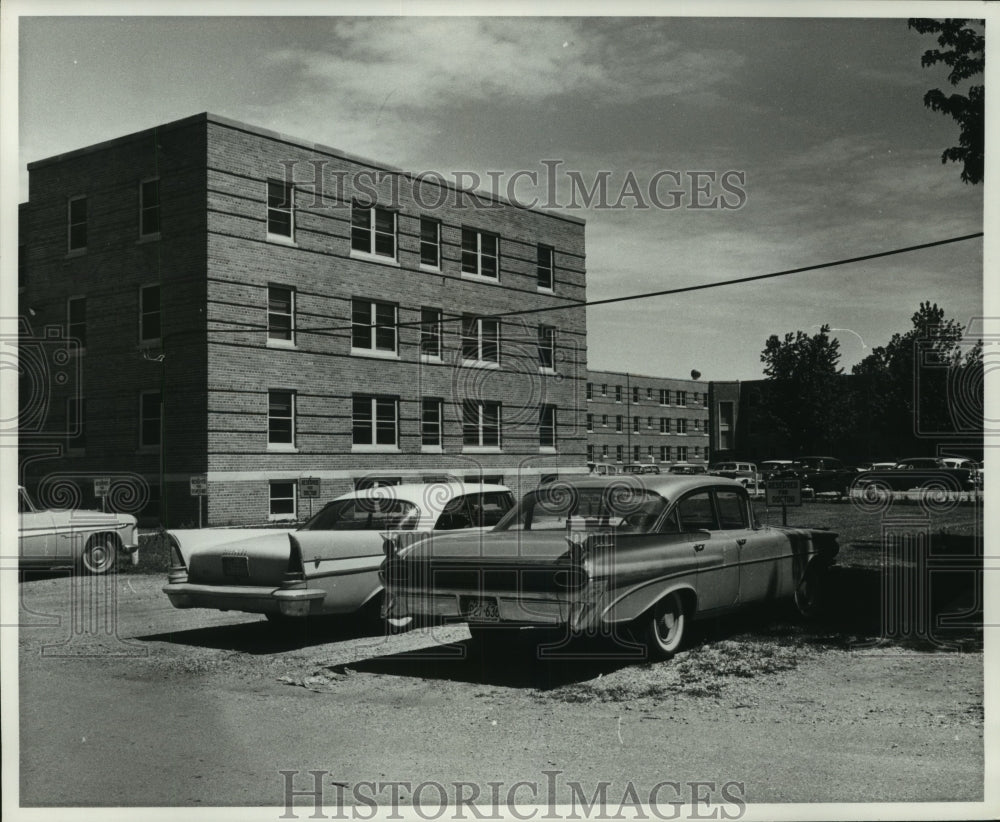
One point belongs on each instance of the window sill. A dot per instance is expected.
(431, 449)
(547, 449)
(431, 269)
(480, 363)
(481, 278)
(481, 449)
(541, 289)
(281, 518)
(148, 238)
(281, 239)
(374, 258)
(543, 369)
(375, 449)
(287, 344)
(374, 354)
(280, 448)
(434, 359)
(75, 252)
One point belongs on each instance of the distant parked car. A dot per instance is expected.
(603, 469)
(688, 468)
(641, 468)
(825, 475)
(88, 540)
(919, 472)
(775, 468)
(734, 470)
(330, 565)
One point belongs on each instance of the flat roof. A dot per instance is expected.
(209, 117)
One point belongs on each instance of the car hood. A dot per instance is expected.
(87, 519)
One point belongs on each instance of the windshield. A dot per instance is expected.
(365, 514)
(625, 508)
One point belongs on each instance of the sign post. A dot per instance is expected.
(102, 485)
(309, 489)
(784, 492)
(199, 488)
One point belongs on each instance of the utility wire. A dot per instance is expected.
(346, 329)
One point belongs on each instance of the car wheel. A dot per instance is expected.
(809, 592)
(100, 554)
(664, 633)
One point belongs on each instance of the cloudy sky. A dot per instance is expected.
(824, 117)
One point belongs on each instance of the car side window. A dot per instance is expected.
(671, 524)
(732, 511)
(455, 515)
(696, 512)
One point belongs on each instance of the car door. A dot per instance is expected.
(761, 552)
(36, 536)
(716, 550)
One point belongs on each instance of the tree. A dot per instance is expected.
(965, 55)
(922, 385)
(806, 397)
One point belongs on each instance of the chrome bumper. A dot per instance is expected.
(298, 602)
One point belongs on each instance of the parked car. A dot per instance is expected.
(920, 472)
(733, 470)
(90, 541)
(641, 468)
(602, 469)
(687, 468)
(824, 475)
(775, 468)
(330, 565)
(596, 554)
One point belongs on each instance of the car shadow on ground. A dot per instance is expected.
(263, 637)
(537, 659)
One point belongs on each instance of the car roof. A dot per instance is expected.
(429, 497)
(666, 485)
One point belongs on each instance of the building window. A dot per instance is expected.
(431, 413)
(590, 391)
(150, 414)
(547, 347)
(430, 243)
(682, 398)
(697, 451)
(546, 268)
(697, 426)
(281, 499)
(281, 419)
(649, 394)
(604, 389)
(635, 453)
(636, 424)
(373, 231)
(619, 453)
(375, 422)
(604, 420)
(149, 313)
(281, 314)
(664, 396)
(480, 339)
(430, 332)
(604, 452)
(635, 395)
(619, 421)
(664, 425)
(481, 424)
(590, 422)
(649, 423)
(76, 320)
(280, 209)
(547, 427)
(664, 453)
(373, 327)
(149, 208)
(590, 453)
(682, 426)
(77, 223)
(682, 453)
(480, 253)
(618, 393)
(76, 432)
(726, 425)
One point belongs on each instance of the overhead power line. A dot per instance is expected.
(333, 330)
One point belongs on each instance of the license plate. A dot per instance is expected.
(480, 609)
(237, 566)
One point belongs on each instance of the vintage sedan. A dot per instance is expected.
(600, 555)
(919, 473)
(88, 541)
(330, 565)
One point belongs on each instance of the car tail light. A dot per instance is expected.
(295, 573)
(178, 568)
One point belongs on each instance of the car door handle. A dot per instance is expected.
(741, 541)
(699, 546)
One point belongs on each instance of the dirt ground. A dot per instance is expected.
(127, 701)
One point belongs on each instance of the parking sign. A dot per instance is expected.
(309, 487)
(199, 485)
(784, 492)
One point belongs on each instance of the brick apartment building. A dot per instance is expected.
(196, 305)
(643, 419)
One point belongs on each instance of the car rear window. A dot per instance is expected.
(732, 511)
(627, 508)
(365, 514)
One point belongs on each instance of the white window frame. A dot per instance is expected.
(430, 221)
(590, 422)
(77, 249)
(143, 209)
(373, 329)
(546, 430)
(548, 265)
(590, 392)
(480, 255)
(143, 339)
(436, 404)
(373, 401)
(271, 498)
(369, 253)
(481, 340)
(289, 189)
(549, 345)
(438, 334)
(480, 447)
(280, 342)
(292, 417)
